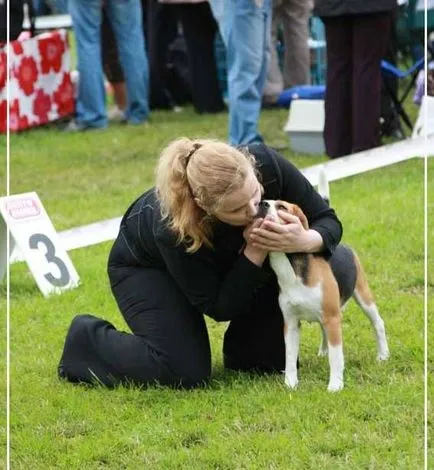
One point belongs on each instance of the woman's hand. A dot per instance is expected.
(290, 237)
(256, 254)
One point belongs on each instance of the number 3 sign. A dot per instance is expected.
(33, 232)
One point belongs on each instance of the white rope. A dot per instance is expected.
(338, 168)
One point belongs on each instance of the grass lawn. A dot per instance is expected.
(239, 421)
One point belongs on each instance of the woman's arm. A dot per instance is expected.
(325, 229)
(221, 298)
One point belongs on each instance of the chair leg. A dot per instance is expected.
(398, 106)
(408, 88)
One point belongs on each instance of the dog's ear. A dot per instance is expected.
(300, 214)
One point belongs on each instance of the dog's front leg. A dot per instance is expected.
(292, 342)
(323, 347)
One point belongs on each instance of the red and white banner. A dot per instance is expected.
(40, 83)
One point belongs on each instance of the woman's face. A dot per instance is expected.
(240, 207)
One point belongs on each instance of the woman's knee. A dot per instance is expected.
(192, 374)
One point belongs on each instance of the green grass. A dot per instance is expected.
(240, 421)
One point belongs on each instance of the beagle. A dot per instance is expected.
(314, 289)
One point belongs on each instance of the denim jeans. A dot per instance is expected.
(126, 19)
(245, 26)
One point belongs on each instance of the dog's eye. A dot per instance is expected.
(281, 207)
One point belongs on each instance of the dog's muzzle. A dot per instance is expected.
(263, 207)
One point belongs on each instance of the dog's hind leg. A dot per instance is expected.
(363, 296)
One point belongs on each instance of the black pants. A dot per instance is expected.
(169, 344)
(200, 28)
(161, 29)
(356, 44)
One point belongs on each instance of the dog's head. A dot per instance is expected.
(271, 208)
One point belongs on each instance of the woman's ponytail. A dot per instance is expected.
(176, 196)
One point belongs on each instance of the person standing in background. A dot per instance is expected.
(160, 27)
(199, 29)
(126, 20)
(245, 26)
(293, 16)
(357, 36)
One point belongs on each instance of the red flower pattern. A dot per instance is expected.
(3, 116)
(17, 47)
(51, 50)
(64, 96)
(27, 74)
(41, 106)
(16, 121)
(3, 72)
(31, 64)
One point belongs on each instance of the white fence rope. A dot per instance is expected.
(338, 168)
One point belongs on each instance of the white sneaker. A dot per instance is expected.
(116, 114)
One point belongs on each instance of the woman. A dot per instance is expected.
(357, 36)
(192, 246)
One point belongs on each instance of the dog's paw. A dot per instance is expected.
(383, 355)
(291, 382)
(335, 386)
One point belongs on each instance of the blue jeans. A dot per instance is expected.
(245, 28)
(126, 19)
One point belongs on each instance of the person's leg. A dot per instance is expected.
(255, 341)
(169, 344)
(126, 20)
(160, 30)
(60, 7)
(120, 94)
(274, 83)
(111, 65)
(371, 34)
(245, 29)
(199, 28)
(338, 104)
(86, 18)
(295, 20)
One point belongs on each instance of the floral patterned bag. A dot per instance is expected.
(41, 89)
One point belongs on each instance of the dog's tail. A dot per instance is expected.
(323, 185)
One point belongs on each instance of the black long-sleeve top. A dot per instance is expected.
(221, 282)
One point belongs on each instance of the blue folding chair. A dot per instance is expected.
(391, 71)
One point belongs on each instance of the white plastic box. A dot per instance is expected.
(305, 126)
(425, 120)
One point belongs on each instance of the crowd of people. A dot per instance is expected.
(159, 54)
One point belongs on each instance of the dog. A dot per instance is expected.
(317, 290)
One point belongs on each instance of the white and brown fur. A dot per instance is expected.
(314, 289)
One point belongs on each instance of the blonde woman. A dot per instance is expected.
(191, 246)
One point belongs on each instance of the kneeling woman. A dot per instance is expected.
(190, 247)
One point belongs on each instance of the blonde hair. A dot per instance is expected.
(206, 170)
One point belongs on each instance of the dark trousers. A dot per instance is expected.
(200, 28)
(356, 44)
(161, 29)
(169, 344)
